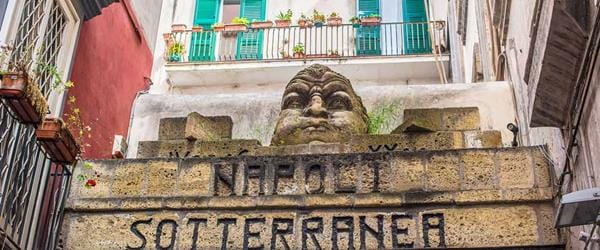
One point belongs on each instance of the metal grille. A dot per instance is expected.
(51, 46)
(32, 189)
(27, 33)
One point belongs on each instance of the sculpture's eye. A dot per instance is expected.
(293, 102)
(338, 102)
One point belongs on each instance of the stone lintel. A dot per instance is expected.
(440, 119)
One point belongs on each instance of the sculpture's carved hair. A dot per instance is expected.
(319, 73)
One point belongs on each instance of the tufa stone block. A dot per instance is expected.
(483, 139)
(442, 172)
(515, 170)
(444, 119)
(195, 127)
(461, 119)
(415, 125)
(432, 117)
(128, 179)
(479, 170)
(162, 178)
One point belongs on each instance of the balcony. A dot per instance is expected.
(387, 52)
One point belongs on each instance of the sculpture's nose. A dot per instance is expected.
(316, 108)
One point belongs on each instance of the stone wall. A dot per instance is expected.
(458, 198)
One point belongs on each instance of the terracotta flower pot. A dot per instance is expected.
(218, 28)
(299, 55)
(334, 21)
(302, 23)
(370, 21)
(197, 29)
(26, 101)
(283, 23)
(178, 27)
(236, 27)
(58, 141)
(261, 25)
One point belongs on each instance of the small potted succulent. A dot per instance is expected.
(218, 27)
(58, 141)
(178, 27)
(355, 21)
(284, 54)
(197, 28)
(318, 18)
(261, 24)
(303, 21)
(371, 20)
(334, 19)
(238, 24)
(22, 95)
(284, 19)
(299, 51)
(176, 50)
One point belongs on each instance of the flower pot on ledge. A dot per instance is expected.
(334, 21)
(197, 29)
(218, 28)
(178, 27)
(370, 21)
(261, 25)
(235, 27)
(58, 142)
(299, 55)
(24, 98)
(283, 23)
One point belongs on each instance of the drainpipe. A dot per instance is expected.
(133, 106)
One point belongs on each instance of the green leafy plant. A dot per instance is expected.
(303, 17)
(240, 20)
(176, 48)
(354, 19)
(88, 176)
(333, 15)
(318, 17)
(287, 16)
(374, 15)
(382, 117)
(298, 48)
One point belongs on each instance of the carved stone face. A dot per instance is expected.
(319, 105)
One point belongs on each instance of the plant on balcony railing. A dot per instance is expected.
(318, 18)
(238, 24)
(304, 21)
(218, 27)
(256, 24)
(334, 19)
(371, 20)
(197, 28)
(284, 19)
(299, 50)
(355, 21)
(175, 51)
(23, 96)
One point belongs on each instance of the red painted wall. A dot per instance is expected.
(112, 58)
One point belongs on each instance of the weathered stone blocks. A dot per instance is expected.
(195, 127)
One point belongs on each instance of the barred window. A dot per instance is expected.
(28, 30)
(51, 45)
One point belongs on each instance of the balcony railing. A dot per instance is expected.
(294, 42)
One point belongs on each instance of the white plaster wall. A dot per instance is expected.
(254, 114)
(344, 8)
(470, 39)
(147, 13)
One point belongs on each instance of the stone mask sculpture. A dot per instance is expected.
(319, 105)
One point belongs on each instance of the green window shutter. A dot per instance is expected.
(368, 39)
(203, 43)
(416, 29)
(250, 42)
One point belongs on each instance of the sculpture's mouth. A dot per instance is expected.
(318, 128)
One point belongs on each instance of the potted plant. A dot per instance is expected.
(261, 24)
(355, 21)
(176, 50)
(178, 27)
(218, 27)
(197, 28)
(334, 19)
(333, 53)
(318, 18)
(371, 20)
(299, 50)
(238, 24)
(284, 54)
(58, 141)
(23, 96)
(284, 19)
(304, 22)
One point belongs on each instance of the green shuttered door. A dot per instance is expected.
(368, 39)
(203, 43)
(416, 31)
(250, 43)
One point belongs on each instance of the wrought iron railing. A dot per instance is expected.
(33, 190)
(282, 43)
